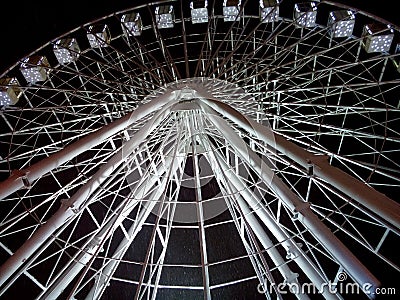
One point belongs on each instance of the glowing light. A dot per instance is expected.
(165, 16)
(66, 50)
(9, 91)
(377, 37)
(98, 36)
(199, 11)
(305, 14)
(231, 10)
(269, 10)
(34, 68)
(132, 24)
(341, 23)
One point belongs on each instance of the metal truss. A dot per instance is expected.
(203, 161)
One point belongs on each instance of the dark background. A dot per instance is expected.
(26, 25)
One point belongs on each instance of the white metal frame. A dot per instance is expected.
(299, 129)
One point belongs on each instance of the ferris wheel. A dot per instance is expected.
(204, 150)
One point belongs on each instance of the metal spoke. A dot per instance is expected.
(203, 150)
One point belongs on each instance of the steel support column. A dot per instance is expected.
(139, 192)
(377, 202)
(228, 178)
(221, 170)
(71, 207)
(171, 164)
(302, 209)
(194, 132)
(35, 171)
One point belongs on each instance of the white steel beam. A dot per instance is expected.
(111, 266)
(227, 177)
(192, 120)
(377, 202)
(171, 164)
(70, 208)
(19, 179)
(138, 194)
(222, 169)
(298, 207)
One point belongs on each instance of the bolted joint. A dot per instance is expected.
(317, 161)
(67, 203)
(292, 282)
(291, 253)
(314, 162)
(21, 174)
(299, 209)
(310, 168)
(94, 244)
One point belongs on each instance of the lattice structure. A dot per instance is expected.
(203, 159)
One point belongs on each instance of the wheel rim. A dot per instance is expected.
(327, 95)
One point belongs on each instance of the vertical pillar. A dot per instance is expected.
(302, 209)
(375, 201)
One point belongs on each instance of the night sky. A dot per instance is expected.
(26, 25)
